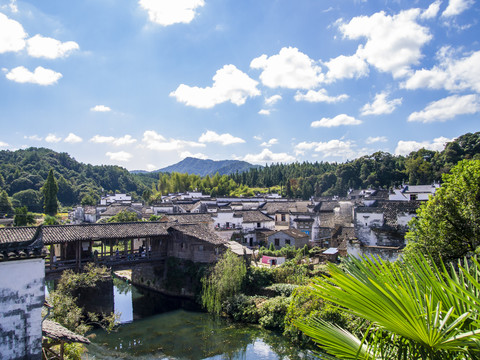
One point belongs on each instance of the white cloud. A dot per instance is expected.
(185, 154)
(264, 112)
(333, 148)
(290, 69)
(229, 84)
(259, 138)
(99, 139)
(33, 137)
(432, 10)
(12, 35)
(381, 105)
(451, 74)
(3, 144)
(45, 47)
(124, 140)
(223, 139)
(346, 67)
(72, 139)
(406, 147)
(456, 7)
(151, 167)
(393, 42)
(167, 12)
(154, 141)
(40, 76)
(269, 143)
(100, 108)
(52, 138)
(319, 96)
(272, 100)
(266, 156)
(372, 140)
(122, 156)
(447, 108)
(338, 120)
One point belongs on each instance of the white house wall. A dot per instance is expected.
(363, 227)
(21, 300)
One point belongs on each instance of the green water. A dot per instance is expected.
(156, 327)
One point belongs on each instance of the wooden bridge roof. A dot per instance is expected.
(66, 233)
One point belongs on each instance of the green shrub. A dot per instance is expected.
(282, 289)
(272, 313)
(241, 308)
(257, 278)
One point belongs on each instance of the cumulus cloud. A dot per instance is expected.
(52, 138)
(185, 154)
(229, 84)
(40, 76)
(456, 7)
(124, 140)
(346, 67)
(381, 105)
(333, 148)
(338, 120)
(447, 108)
(450, 74)
(289, 69)
(100, 108)
(319, 96)
(45, 47)
(432, 10)
(272, 100)
(269, 143)
(223, 139)
(33, 137)
(154, 141)
(167, 12)
(122, 156)
(393, 42)
(372, 140)
(406, 147)
(3, 144)
(12, 35)
(264, 112)
(266, 156)
(73, 139)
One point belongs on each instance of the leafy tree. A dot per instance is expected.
(6, 208)
(88, 199)
(448, 225)
(50, 220)
(50, 190)
(66, 194)
(124, 216)
(30, 198)
(416, 310)
(23, 217)
(225, 281)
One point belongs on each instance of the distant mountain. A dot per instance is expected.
(209, 167)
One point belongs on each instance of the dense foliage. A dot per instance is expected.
(202, 167)
(416, 310)
(378, 170)
(49, 191)
(448, 225)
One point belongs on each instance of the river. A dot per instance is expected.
(157, 327)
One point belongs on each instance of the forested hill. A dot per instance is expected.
(208, 167)
(379, 170)
(23, 172)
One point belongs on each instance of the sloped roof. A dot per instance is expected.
(253, 216)
(293, 233)
(238, 249)
(188, 218)
(199, 231)
(55, 331)
(272, 207)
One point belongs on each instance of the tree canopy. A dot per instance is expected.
(448, 225)
(50, 190)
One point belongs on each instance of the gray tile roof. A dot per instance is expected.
(253, 216)
(199, 231)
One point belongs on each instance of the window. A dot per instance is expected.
(277, 242)
(258, 225)
(287, 241)
(413, 197)
(200, 247)
(283, 217)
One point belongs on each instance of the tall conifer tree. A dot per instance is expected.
(50, 190)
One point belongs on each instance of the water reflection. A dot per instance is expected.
(157, 327)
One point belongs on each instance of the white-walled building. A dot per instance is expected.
(413, 192)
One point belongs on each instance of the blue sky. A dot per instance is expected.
(144, 83)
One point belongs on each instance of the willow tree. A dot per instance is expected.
(49, 191)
